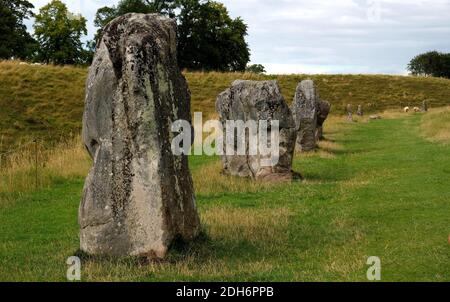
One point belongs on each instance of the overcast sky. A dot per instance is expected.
(329, 36)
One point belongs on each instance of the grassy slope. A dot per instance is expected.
(47, 101)
(436, 125)
(376, 189)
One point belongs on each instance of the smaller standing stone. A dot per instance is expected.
(304, 110)
(323, 110)
(257, 101)
(349, 110)
(425, 106)
(360, 110)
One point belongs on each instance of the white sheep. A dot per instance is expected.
(416, 109)
(406, 109)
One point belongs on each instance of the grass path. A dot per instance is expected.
(376, 189)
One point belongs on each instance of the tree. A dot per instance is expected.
(255, 68)
(88, 53)
(16, 42)
(208, 39)
(106, 14)
(59, 34)
(431, 63)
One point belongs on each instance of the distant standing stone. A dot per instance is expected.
(425, 106)
(323, 110)
(349, 110)
(257, 101)
(360, 110)
(138, 196)
(304, 110)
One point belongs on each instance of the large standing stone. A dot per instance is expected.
(257, 101)
(304, 110)
(323, 110)
(138, 196)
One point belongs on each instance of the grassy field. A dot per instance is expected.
(46, 102)
(377, 188)
(436, 126)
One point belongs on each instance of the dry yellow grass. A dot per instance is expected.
(41, 101)
(209, 180)
(436, 125)
(326, 149)
(396, 113)
(252, 225)
(68, 159)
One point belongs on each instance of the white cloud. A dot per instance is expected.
(329, 36)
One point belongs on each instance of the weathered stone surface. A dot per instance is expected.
(138, 196)
(257, 101)
(304, 110)
(323, 110)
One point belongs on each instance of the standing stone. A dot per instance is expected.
(323, 110)
(304, 110)
(138, 196)
(425, 106)
(349, 110)
(360, 110)
(257, 101)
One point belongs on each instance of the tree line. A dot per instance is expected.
(208, 38)
(432, 63)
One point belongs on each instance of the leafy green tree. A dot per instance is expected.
(424, 64)
(88, 52)
(255, 68)
(208, 39)
(431, 63)
(15, 41)
(59, 34)
(106, 14)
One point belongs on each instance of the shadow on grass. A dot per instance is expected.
(200, 250)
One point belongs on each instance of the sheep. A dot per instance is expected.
(416, 109)
(406, 109)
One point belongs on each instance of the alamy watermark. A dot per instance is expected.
(74, 270)
(230, 138)
(374, 271)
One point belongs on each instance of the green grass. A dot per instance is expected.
(47, 101)
(384, 192)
